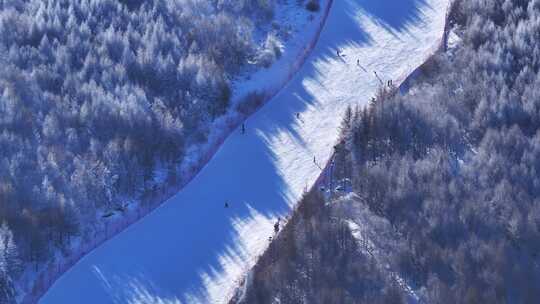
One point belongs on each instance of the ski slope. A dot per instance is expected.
(192, 249)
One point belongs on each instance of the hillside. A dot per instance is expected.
(199, 244)
(107, 105)
(444, 204)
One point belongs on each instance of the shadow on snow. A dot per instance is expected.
(395, 15)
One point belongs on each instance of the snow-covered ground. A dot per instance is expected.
(376, 237)
(192, 249)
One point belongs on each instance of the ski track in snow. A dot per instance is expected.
(192, 249)
(366, 233)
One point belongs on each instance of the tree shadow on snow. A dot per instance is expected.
(396, 16)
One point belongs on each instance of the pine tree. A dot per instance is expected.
(346, 121)
(7, 291)
(8, 251)
(9, 264)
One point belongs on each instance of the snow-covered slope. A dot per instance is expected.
(192, 249)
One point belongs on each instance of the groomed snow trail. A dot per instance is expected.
(194, 250)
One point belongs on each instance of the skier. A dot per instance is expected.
(337, 53)
(358, 62)
(297, 115)
(243, 129)
(276, 226)
(226, 205)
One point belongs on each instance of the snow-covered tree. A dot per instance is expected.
(8, 251)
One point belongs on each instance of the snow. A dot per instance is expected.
(192, 249)
(453, 40)
(294, 28)
(376, 238)
(298, 31)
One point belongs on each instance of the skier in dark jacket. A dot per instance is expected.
(276, 226)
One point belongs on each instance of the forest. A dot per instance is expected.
(96, 96)
(448, 170)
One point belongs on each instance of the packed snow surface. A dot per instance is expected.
(193, 249)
